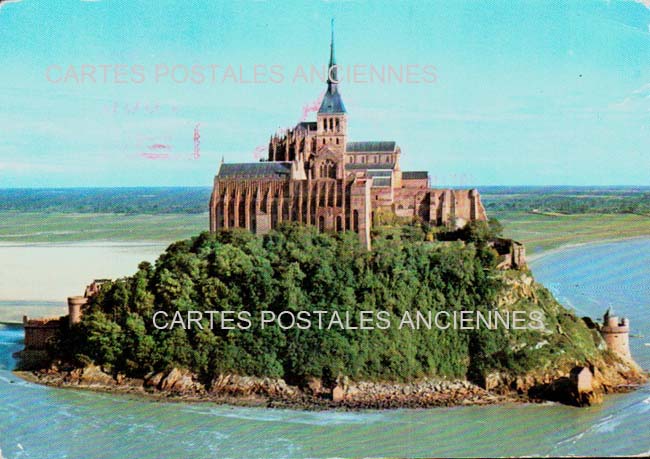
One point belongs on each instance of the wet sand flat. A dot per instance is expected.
(52, 272)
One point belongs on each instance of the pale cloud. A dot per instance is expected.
(5, 2)
(637, 99)
(645, 3)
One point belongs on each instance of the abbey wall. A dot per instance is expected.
(314, 175)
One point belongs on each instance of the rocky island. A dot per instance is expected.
(112, 341)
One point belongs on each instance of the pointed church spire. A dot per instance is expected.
(332, 102)
(332, 76)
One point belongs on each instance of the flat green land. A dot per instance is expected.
(61, 227)
(542, 232)
(539, 231)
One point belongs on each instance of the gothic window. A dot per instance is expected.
(242, 213)
(355, 223)
(253, 222)
(328, 169)
(337, 140)
(337, 125)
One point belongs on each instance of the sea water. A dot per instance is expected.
(41, 422)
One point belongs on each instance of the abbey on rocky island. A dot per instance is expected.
(315, 175)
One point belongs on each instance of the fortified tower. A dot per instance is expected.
(75, 306)
(616, 333)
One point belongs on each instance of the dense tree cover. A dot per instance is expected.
(296, 268)
(141, 200)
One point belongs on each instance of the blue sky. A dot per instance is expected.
(531, 92)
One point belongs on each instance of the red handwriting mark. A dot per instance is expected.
(155, 151)
(260, 152)
(154, 156)
(138, 107)
(197, 141)
(159, 146)
(311, 107)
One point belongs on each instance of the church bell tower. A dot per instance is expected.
(332, 119)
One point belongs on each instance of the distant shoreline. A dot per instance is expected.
(86, 243)
(573, 245)
(40, 280)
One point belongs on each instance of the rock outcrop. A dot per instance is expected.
(180, 382)
(235, 385)
(91, 375)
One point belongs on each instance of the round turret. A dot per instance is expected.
(75, 304)
(616, 333)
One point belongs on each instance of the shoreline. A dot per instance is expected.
(463, 394)
(532, 258)
(178, 385)
(275, 394)
(48, 296)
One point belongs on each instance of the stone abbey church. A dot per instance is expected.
(316, 176)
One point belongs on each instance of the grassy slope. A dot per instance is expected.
(542, 232)
(71, 227)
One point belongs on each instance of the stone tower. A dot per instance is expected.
(616, 333)
(332, 118)
(75, 308)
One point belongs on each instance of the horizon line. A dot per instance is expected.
(443, 185)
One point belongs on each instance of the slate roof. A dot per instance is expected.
(309, 125)
(372, 166)
(381, 182)
(332, 102)
(370, 147)
(267, 169)
(415, 175)
(381, 173)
